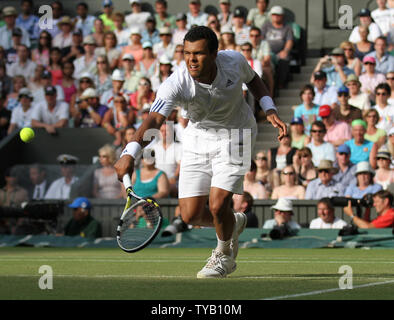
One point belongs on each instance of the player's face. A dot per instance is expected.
(200, 62)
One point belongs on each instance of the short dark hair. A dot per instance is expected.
(327, 202)
(255, 29)
(247, 197)
(200, 33)
(383, 86)
(83, 4)
(307, 87)
(319, 124)
(384, 194)
(163, 2)
(381, 38)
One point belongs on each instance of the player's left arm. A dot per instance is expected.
(261, 94)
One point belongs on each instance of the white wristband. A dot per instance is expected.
(266, 104)
(132, 149)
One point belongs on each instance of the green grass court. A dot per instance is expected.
(170, 274)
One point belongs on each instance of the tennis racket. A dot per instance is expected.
(140, 221)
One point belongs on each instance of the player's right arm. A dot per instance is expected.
(126, 162)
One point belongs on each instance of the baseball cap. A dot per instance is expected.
(277, 10)
(118, 75)
(238, 13)
(181, 16)
(369, 59)
(107, 3)
(320, 75)
(337, 52)
(343, 148)
(297, 120)
(128, 56)
(147, 44)
(17, 32)
(9, 11)
(324, 110)
(343, 89)
(364, 12)
(80, 202)
(67, 159)
(50, 91)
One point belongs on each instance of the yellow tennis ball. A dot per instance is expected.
(26, 134)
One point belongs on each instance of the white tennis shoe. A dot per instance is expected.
(240, 224)
(219, 265)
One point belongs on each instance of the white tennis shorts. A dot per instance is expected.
(214, 158)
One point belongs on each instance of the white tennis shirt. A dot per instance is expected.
(218, 105)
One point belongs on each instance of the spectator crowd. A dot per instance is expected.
(104, 70)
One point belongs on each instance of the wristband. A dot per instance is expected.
(90, 109)
(132, 149)
(266, 104)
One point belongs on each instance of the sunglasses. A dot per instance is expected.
(343, 94)
(366, 63)
(144, 84)
(342, 153)
(382, 159)
(305, 156)
(261, 158)
(324, 170)
(317, 131)
(100, 62)
(381, 93)
(288, 173)
(85, 81)
(247, 50)
(390, 78)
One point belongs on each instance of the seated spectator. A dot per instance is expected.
(57, 10)
(289, 188)
(259, 15)
(137, 17)
(118, 81)
(103, 79)
(132, 76)
(144, 94)
(21, 115)
(165, 46)
(24, 66)
(360, 148)
(384, 61)
(150, 32)
(195, 16)
(118, 117)
(64, 38)
(86, 63)
(365, 184)
(11, 56)
(327, 218)
(55, 65)
(370, 78)
(164, 72)
(40, 184)
(12, 194)
(107, 15)
(110, 50)
(384, 175)
(5, 116)
(324, 94)
(324, 185)
(84, 82)
(179, 58)
(135, 46)
(388, 146)
(5, 81)
(122, 33)
(335, 68)
(390, 82)
(337, 132)
(68, 82)
(227, 39)
(105, 183)
(27, 20)
(283, 209)
(353, 62)
(127, 136)
(383, 202)
(225, 15)
(386, 111)
(83, 20)
(280, 157)
(298, 137)
(304, 167)
(320, 149)
(46, 81)
(150, 181)
(308, 111)
(244, 203)
(214, 24)
(374, 134)
(99, 31)
(40, 55)
(61, 188)
(9, 17)
(75, 51)
(251, 185)
(148, 64)
(82, 223)
(180, 31)
(263, 173)
(364, 46)
(240, 29)
(357, 98)
(50, 114)
(91, 113)
(281, 40)
(346, 170)
(382, 16)
(366, 21)
(344, 111)
(168, 154)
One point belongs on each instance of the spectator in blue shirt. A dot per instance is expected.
(346, 170)
(365, 184)
(324, 94)
(27, 20)
(384, 61)
(324, 185)
(84, 21)
(150, 33)
(360, 148)
(307, 110)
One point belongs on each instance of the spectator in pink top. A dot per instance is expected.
(337, 132)
(370, 79)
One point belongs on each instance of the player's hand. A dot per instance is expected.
(124, 165)
(273, 117)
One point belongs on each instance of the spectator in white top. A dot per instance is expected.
(61, 188)
(137, 18)
(84, 21)
(283, 211)
(21, 115)
(195, 16)
(258, 16)
(382, 16)
(357, 98)
(24, 66)
(9, 16)
(64, 38)
(86, 63)
(366, 20)
(50, 114)
(165, 46)
(181, 30)
(324, 94)
(241, 30)
(386, 111)
(327, 219)
(320, 149)
(45, 81)
(57, 11)
(225, 16)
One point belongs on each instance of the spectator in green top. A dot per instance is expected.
(82, 223)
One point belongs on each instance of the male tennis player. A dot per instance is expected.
(209, 90)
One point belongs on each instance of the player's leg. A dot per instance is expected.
(194, 211)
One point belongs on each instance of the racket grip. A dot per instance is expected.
(127, 181)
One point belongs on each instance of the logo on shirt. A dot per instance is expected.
(229, 83)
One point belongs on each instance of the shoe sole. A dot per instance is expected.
(239, 232)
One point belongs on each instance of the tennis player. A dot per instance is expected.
(221, 126)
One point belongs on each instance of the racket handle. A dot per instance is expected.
(127, 181)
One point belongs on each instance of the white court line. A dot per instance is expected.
(326, 291)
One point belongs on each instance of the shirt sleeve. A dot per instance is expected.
(384, 221)
(64, 112)
(247, 72)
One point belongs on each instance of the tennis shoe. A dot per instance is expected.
(219, 265)
(240, 224)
